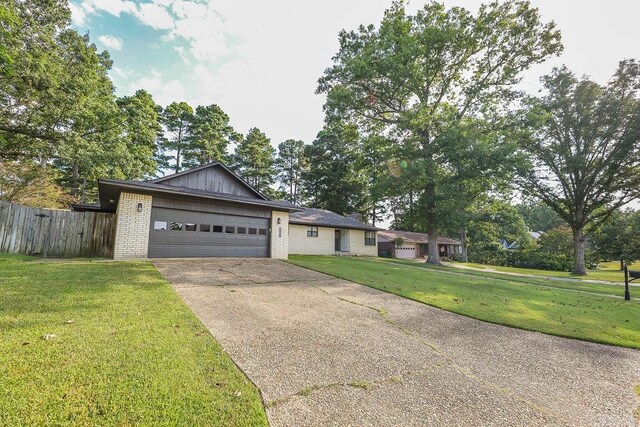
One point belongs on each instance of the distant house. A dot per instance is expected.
(322, 232)
(414, 244)
(535, 235)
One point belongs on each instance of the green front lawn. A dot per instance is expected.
(551, 306)
(122, 349)
(608, 271)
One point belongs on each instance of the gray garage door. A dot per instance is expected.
(184, 233)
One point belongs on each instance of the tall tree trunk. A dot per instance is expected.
(433, 255)
(74, 179)
(177, 160)
(463, 239)
(578, 252)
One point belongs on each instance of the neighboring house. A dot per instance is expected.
(414, 244)
(321, 232)
(204, 212)
(535, 235)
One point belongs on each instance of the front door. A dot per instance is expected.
(338, 246)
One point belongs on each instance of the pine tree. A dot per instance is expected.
(254, 161)
(290, 163)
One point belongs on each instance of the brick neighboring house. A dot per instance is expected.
(414, 245)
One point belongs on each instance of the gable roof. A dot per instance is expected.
(237, 178)
(109, 189)
(324, 218)
(414, 237)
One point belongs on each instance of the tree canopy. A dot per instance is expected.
(440, 80)
(583, 140)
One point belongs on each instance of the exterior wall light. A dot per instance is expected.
(279, 220)
(139, 207)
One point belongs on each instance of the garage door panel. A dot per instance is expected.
(165, 242)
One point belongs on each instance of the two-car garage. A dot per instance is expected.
(195, 229)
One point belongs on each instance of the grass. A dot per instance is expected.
(548, 306)
(608, 271)
(123, 349)
(554, 282)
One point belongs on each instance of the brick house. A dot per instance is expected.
(209, 211)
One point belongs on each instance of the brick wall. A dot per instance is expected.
(279, 235)
(357, 246)
(324, 244)
(132, 227)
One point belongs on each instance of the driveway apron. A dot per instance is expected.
(325, 351)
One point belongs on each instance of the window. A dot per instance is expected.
(230, 230)
(160, 225)
(312, 231)
(205, 228)
(262, 231)
(242, 230)
(370, 238)
(176, 226)
(190, 226)
(217, 229)
(253, 231)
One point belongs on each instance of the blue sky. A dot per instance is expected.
(260, 60)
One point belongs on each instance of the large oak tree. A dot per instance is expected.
(584, 144)
(438, 80)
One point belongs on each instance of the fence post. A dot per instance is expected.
(627, 295)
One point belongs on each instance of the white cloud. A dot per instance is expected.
(78, 14)
(114, 7)
(154, 16)
(164, 91)
(111, 42)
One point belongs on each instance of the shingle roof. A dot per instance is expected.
(323, 218)
(410, 236)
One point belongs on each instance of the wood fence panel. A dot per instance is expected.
(56, 233)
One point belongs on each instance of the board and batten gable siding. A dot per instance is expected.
(279, 235)
(213, 179)
(324, 244)
(132, 227)
(213, 207)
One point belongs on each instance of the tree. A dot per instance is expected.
(374, 149)
(584, 147)
(28, 183)
(177, 119)
(331, 181)
(538, 216)
(254, 160)
(141, 130)
(440, 80)
(290, 164)
(210, 136)
(619, 237)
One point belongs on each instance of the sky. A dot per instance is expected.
(260, 60)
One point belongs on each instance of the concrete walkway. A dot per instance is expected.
(325, 351)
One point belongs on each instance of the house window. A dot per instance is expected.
(205, 228)
(312, 231)
(262, 231)
(176, 226)
(160, 225)
(370, 238)
(190, 226)
(253, 231)
(242, 230)
(217, 229)
(230, 230)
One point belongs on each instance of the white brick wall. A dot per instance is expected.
(357, 246)
(324, 244)
(132, 227)
(279, 235)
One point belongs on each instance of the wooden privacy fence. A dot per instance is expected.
(55, 233)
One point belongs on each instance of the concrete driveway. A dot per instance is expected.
(325, 351)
